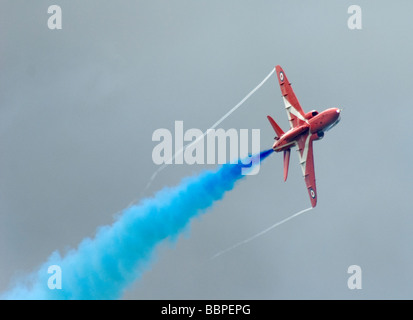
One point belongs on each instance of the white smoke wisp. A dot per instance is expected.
(259, 234)
(152, 178)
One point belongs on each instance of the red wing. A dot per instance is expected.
(305, 154)
(295, 113)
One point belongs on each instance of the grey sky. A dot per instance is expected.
(78, 107)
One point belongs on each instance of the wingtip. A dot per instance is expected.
(313, 202)
(280, 74)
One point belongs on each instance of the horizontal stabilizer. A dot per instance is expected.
(276, 127)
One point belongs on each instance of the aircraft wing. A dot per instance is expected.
(295, 113)
(305, 154)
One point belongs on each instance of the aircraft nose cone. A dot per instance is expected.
(338, 113)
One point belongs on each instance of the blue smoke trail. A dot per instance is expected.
(103, 267)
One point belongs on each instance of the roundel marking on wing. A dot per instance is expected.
(312, 193)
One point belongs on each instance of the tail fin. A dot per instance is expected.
(287, 152)
(276, 127)
(286, 162)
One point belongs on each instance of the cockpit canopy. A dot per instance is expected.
(311, 114)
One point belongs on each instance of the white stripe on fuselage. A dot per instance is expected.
(290, 109)
(284, 145)
(303, 157)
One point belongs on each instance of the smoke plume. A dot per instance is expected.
(102, 267)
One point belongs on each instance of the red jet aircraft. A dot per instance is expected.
(305, 128)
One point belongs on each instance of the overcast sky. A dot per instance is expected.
(78, 107)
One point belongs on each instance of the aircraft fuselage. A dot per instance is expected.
(317, 124)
